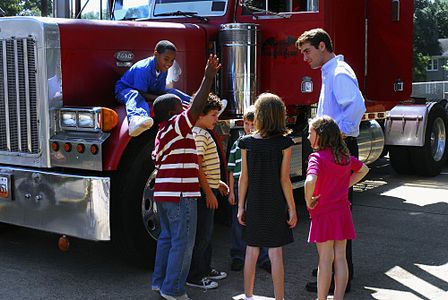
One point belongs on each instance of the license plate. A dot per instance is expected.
(5, 186)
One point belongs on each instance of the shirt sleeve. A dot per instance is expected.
(141, 79)
(287, 142)
(183, 123)
(313, 164)
(355, 164)
(201, 141)
(242, 143)
(350, 101)
(231, 162)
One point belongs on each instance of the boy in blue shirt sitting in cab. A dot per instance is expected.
(145, 81)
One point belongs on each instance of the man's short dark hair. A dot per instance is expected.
(164, 45)
(314, 37)
(163, 105)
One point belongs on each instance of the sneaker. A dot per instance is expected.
(237, 265)
(168, 297)
(155, 288)
(205, 283)
(138, 124)
(216, 275)
(266, 266)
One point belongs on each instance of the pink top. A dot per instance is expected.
(332, 183)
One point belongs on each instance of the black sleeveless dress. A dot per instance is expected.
(266, 207)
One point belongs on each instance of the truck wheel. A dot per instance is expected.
(134, 221)
(429, 159)
(400, 159)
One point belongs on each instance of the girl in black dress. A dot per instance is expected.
(266, 205)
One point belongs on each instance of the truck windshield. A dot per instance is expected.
(183, 8)
(131, 9)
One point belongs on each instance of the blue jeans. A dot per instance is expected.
(175, 245)
(136, 104)
(238, 250)
(202, 253)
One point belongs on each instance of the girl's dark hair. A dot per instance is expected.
(330, 137)
(270, 115)
(164, 45)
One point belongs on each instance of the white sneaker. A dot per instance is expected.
(138, 124)
(205, 283)
(168, 297)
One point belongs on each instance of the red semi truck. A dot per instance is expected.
(67, 164)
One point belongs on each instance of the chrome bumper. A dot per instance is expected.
(61, 203)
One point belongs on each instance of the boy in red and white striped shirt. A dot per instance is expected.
(176, 186)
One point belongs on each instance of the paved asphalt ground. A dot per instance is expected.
(401, 253)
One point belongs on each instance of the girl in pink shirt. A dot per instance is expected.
(331, 171)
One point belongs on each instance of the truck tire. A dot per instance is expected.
(134, 221)
(400, 160)
(429, 159)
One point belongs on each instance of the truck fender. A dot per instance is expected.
(405, 125)
(416, 136)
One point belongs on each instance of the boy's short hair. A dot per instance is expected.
(163, 105)
(213, 102)
(314, 37)
(164, 45)
(249, 114)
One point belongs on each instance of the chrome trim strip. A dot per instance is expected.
(16, 68)
(27, 94)
(5, 87)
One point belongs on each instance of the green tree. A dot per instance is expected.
(26, 7)
(426, 35)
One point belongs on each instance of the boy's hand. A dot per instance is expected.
(231, 198)
(211, 201)
(292, 222)
(241, 216)
(212, 66)
(223, 188)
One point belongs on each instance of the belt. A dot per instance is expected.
(350, 139)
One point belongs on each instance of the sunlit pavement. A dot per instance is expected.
(401, 251)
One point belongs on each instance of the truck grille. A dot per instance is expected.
(18, 96)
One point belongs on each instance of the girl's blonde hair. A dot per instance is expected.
(270, 116)
(330, 137)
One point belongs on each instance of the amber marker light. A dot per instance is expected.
(67, 147)
(80, 148)
(94, 149)
(55, 146)
(109, 119)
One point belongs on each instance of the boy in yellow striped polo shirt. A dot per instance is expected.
(201, 273)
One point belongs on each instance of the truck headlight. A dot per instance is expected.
(68, 119)
(86, 119)
(92, 119)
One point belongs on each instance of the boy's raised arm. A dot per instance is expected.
(199, 100)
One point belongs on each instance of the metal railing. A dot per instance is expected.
(430, 89)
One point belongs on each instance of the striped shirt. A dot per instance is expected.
(206, 147)
(234, 164)
(176, 160)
